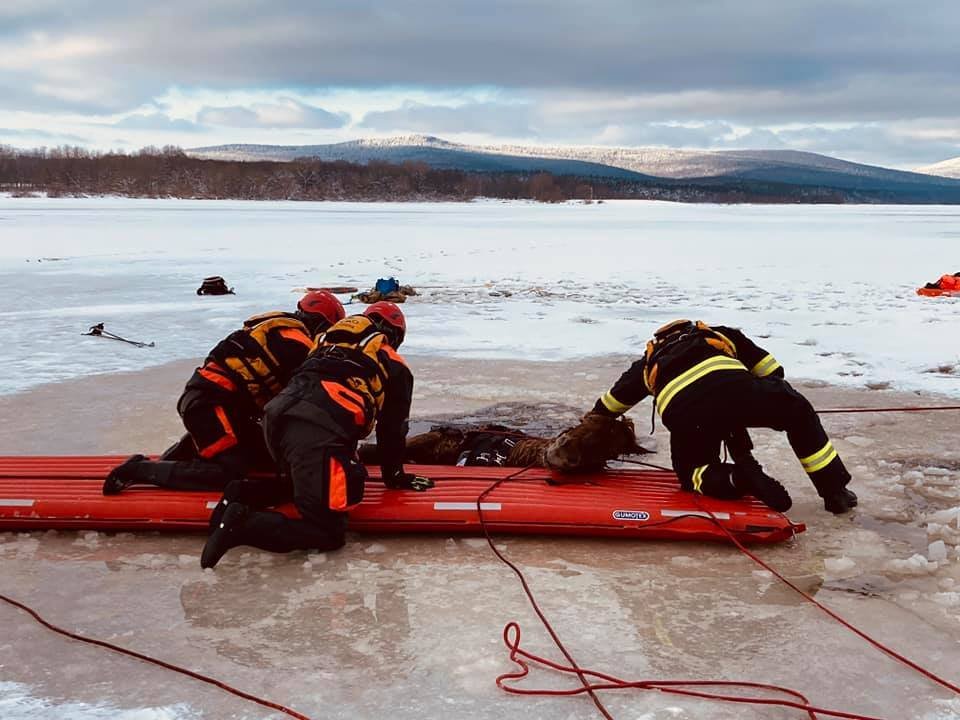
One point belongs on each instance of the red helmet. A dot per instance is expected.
(319, 310)
(389, 320)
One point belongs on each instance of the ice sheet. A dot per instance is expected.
(828, 289)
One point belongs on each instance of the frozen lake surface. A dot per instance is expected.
(828, 289)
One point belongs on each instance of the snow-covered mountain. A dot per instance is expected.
(765, 166)
(947, 168)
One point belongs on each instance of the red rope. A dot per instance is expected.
(592, 681)
(154, 661)
(511, 638)
(876, 643)
(888, 409)
(581, 675)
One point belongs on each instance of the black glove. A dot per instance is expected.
(407, 481)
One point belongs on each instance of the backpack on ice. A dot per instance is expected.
(214, 285)
(385, 286)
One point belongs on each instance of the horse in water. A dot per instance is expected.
(583, 448)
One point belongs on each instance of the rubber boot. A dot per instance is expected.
(840, 502)
(227, 534)
(752, 480)
(831, 483)
(138, 470)
(124, 475)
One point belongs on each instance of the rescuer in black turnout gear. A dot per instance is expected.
(222, 403)
(711, 383)
(353, 380)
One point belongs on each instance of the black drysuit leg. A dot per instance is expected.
(695, 450)
(198, 474)
(773, 403)
(695, 454)
(304, 450)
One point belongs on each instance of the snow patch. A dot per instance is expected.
(914, 565)
(89, 540)
(937, 551)
(839, 566)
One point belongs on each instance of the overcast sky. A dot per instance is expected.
(868, 80)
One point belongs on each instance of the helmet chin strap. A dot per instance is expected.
(389, 330)
(312, 321)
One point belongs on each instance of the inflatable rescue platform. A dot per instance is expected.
(43, 493)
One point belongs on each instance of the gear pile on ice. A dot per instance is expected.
(214, 285)
(388, 289)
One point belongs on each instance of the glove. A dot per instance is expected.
(408, 481)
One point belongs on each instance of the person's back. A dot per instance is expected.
(710, 383)
(257, 360)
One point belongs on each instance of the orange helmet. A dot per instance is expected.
(389, 320)
(318, 310)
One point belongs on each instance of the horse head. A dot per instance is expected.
(588, 446)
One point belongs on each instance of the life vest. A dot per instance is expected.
(674, 340)
(245, 357)
(351, 356)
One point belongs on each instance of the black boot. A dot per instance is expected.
(831, 484)
(752, 480)
(840, 501)
(228, 533)
(124, 475)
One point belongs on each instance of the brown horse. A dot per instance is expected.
(583, 448)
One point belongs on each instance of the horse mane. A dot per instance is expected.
(528, 451)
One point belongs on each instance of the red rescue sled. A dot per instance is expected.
(40, 493)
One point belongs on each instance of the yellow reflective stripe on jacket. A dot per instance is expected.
(697, 478)
(765, 366)
(681, 381)
(820, 459)
(612, 404)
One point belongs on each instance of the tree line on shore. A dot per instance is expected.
(169, 172)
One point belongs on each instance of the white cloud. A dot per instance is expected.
(284, 113)
(39, 49)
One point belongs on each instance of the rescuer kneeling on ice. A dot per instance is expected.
(709, 384)
(353, 380)
(223, 401)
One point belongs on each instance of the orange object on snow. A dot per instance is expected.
(949, 282)
(948, 285)
(40, 493)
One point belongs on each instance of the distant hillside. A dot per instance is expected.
(947, 168)
(170, 172)
(781, 167)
